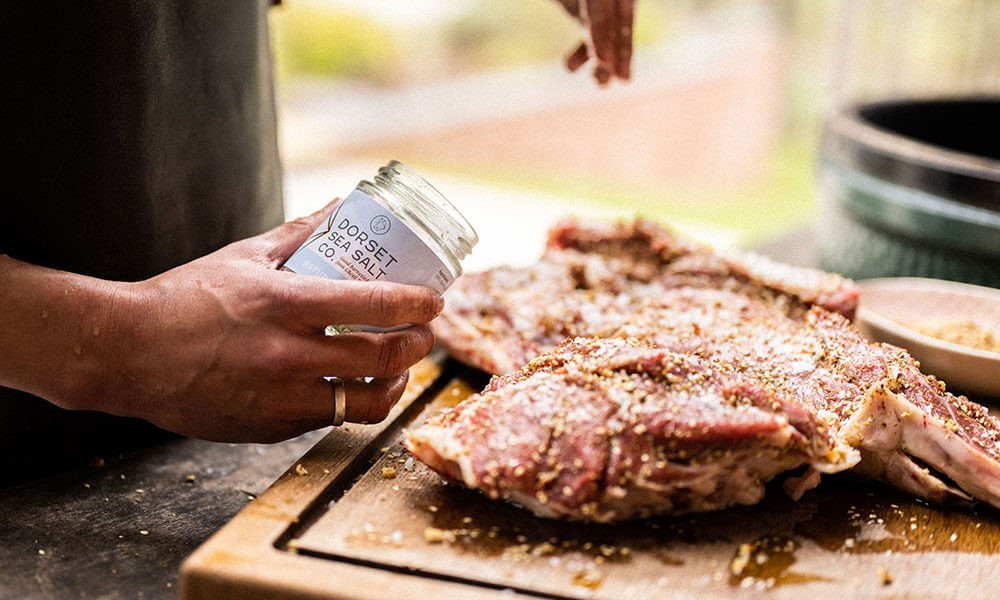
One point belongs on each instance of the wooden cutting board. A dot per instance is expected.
(358, 518)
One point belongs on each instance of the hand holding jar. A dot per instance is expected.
(225, 348)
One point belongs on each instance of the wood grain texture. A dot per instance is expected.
(370, 522)
(121, 527)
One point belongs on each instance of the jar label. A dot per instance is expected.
(362, 240)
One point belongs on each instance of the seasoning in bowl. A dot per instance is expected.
(962, 332)
(952, 328)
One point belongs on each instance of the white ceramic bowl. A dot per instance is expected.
(887, 306)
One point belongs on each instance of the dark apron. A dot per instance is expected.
(142, 135)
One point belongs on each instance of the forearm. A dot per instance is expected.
(225, 347)
(53, 331)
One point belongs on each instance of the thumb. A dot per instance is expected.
(279, 243)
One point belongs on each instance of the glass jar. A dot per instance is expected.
(397, 228)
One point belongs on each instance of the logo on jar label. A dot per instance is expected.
(342, 248)
(380, 224)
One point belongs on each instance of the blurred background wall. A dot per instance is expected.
(718, 127)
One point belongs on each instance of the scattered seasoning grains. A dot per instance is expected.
(884, 576)
(434, 535)
(964, 333)
(301, 470)
(742, 559)
(588, 578)
(388, 472)
(190, 478)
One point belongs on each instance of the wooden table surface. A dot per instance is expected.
(122, 529)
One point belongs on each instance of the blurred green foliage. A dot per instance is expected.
(315, 39)
(319, 41)
(880, 43)
(502, 33)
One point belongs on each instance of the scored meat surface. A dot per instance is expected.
(499, 319)
(640, 373)
(607, 429)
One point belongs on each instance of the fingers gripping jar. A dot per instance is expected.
(396, 228)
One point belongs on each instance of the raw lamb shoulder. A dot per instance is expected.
(639, 373)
